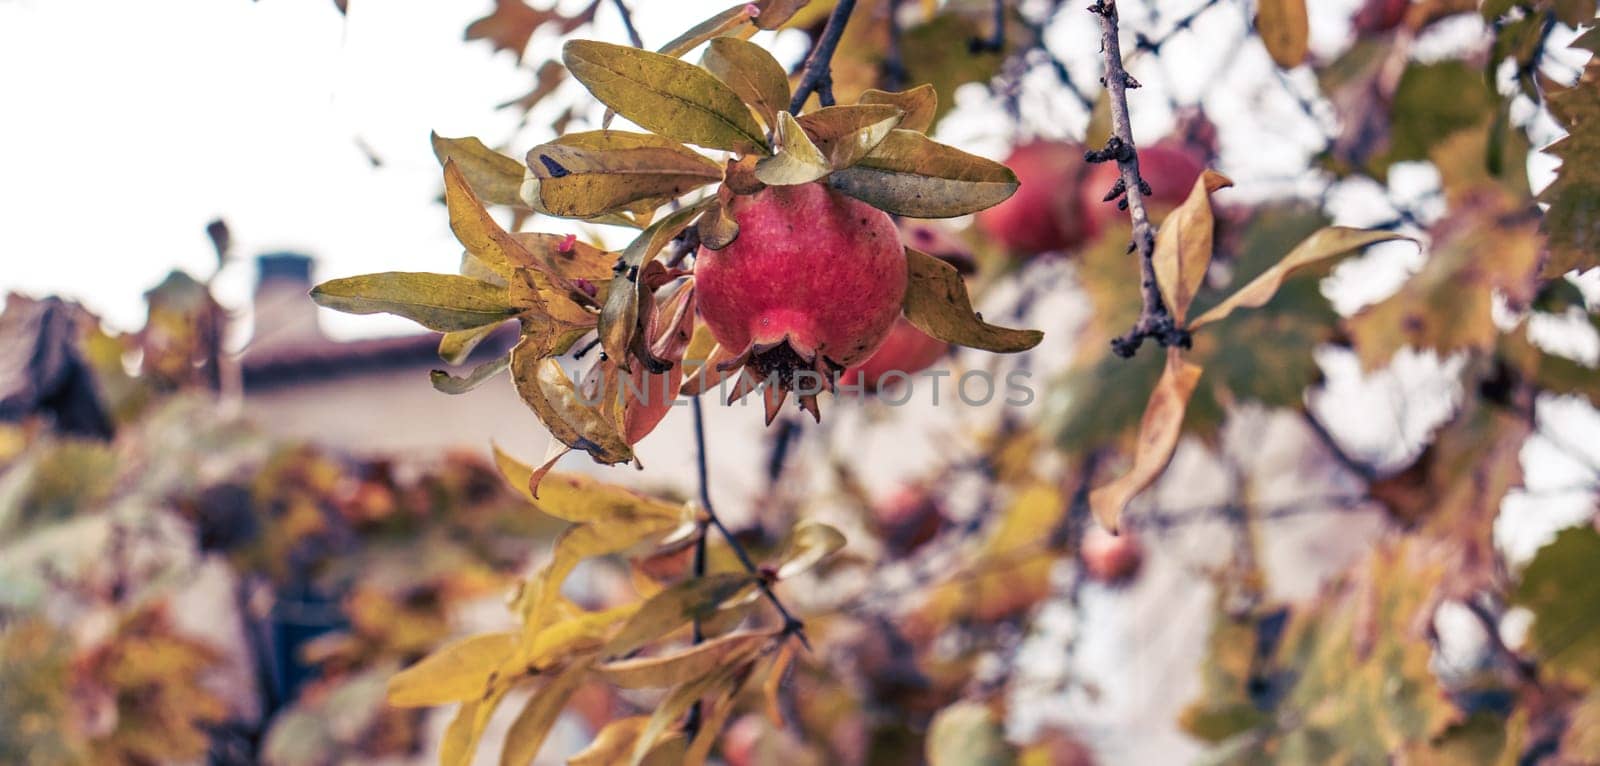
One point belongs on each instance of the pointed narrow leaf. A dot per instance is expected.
(774, 13)
(677, 702)
(444, 382)
(752, 73)
(1285, 30)
(846, 134)
(495, 177)
(910, 174)
(442, 302)
(664, 95)
(684, 666)
(612, 743)
(1158, 438)
(532, 725)
(730, 21)
(611, 170)
(936, 302)
(797, 160)
(720, 709)
(457, 671)
(1326, 243)
(675, 607)
(477, 231)
(455, 347)
(920, 104)
(1183, 245)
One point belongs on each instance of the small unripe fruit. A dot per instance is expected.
(1045, 213)
(906, 352)
(1169, 169)
(1111, 559)
(813, 283)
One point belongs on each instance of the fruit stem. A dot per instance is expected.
(1154, 320)
(817, 76)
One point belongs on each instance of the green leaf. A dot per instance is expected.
(920, 104)
(1329, 242)
(495, 177)
(458, 671)
(1573, 218)
(665, 96)
(846, 134)
(1558, 586)
(1285, 29)
(936, 302)
(590, 174)
(675, 607)
(442, 302)
(450, 384)
(797, 161)
(752, 73)
(910, 174)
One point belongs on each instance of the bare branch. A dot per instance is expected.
(1154, 320)
(627, 22)
(817, 76)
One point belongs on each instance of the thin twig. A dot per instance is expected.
(627, 23)
(1154, 320)
(817, 76)
(996, 41)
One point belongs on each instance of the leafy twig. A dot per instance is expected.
(1154, 320)
(627, 23)
(817, 75)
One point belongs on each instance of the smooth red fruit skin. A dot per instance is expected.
(907, 350)
(909, 519)
(1111, 559)
(1376, 16)
(1171, 171)
(1045, 213)
(810, 265)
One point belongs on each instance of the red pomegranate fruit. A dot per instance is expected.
(907, 350)
(812, 283)
(1169, 167)
(1045, 214)
(1376, 16)
(1111, 559)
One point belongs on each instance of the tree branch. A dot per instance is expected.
(1154, 320)
(817, 76)
(627, 23)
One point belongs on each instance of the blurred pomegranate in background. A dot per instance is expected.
(1376, 16)
(907, 351)
(1169, 166)
(908, 519)
(1111, 559)
(1045, 214)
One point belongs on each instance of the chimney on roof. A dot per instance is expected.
(284, 313)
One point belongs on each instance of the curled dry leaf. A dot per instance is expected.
(920, 104)
(1285, 30)
(441, 302)
(846, 134)
(937, 303)
(584, 175)
(684, 666)
(1326, 243)
(619, 318)
(796, 160)
(752, 73)
(547, 390)
(444, 382)
(910, 174)
(1158, 437)
(809, 544)
(665, 96)
(1183, 245)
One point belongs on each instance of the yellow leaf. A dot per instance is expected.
(968, 734)
(774, 13)
(774, 683)
(547, 390)
(936, 302)
(809, 544)
(1183, 245)
(455, 347)
(797, 160)
(619, 317)
(734, 20)
(532, 725)
(466, 728)
(1325, 243)
(573, 545)
(1158, 438)
(444, 382)
(523, 478)
(920, 105)
(476, 229)
(492, 175)
(1285, 30)
(664, 95)
(684, 666)
(612, 743)
(456, 672)
(716, 227)
(912, 175)
(711, 724)
(674, 607)
(442, 302)
(563, 630)
(677, 702)
(752, 73)
(846, 134)
(608, 171)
